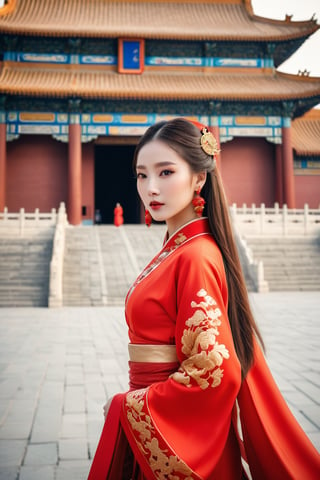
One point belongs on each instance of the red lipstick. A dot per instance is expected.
(155, 205)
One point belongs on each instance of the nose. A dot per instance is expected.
(152, 187)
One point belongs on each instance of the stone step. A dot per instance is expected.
(75, 286)
(23, 290)
(20, 249)
(279, 287)
(81, 272)
(83, 303)
(293, 254)
(293, 286)
(282, 281)
(31, 255)
(24, 265)
(279, 249)
(25, 260)
(302, 255)
(283, 257)
(25, 269)
(294, 280)
(25, 285)
(293, 268)
(290, 263)
(24, 302)
(8, 273)
(292, 239)
(291, 278)
(15, 301)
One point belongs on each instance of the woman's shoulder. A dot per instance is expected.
(203, 242)
(200, 248)
(200, 258)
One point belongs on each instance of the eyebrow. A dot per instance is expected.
(159, 164)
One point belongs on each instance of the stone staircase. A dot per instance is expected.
(290, 263)
(101, 262)
(81, 269)
(24, 270)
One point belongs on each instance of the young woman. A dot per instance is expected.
(202, 403)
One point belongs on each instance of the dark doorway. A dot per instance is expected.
(115, 182)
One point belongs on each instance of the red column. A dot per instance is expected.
(3, 161)
(287, 159)
(216, 133)
(279, 175)
(74, 172)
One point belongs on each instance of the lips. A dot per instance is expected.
(155, 205)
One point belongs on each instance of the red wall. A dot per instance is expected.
(307, 190)
(248, 171)
(36, 173)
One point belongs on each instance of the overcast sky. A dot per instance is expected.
(308, 55)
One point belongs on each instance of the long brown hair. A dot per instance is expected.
(184, 138)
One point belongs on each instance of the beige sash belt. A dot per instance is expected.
(152, 353)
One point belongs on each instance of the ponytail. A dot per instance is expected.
(241, 319)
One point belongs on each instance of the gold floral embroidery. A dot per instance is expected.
(204, 354)
(164, 465)
(180, 238)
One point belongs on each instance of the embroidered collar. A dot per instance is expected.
(186, 232)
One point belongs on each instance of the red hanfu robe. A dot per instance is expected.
(180, 418)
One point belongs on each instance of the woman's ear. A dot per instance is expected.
(201, 179)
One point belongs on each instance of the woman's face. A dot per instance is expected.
(166, 184)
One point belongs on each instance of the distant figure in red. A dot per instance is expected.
(118, 215)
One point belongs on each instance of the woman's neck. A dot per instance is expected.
(171, 234)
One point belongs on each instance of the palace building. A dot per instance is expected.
(80, 81)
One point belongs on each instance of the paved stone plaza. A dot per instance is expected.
(59, 366)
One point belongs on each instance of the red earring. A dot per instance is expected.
(148, 218)
(198, 203)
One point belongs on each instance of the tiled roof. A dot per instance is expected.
(46, 80)
(306, 133)
(207, 20)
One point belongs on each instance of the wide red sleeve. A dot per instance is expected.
(181, 428)
(276, 446)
